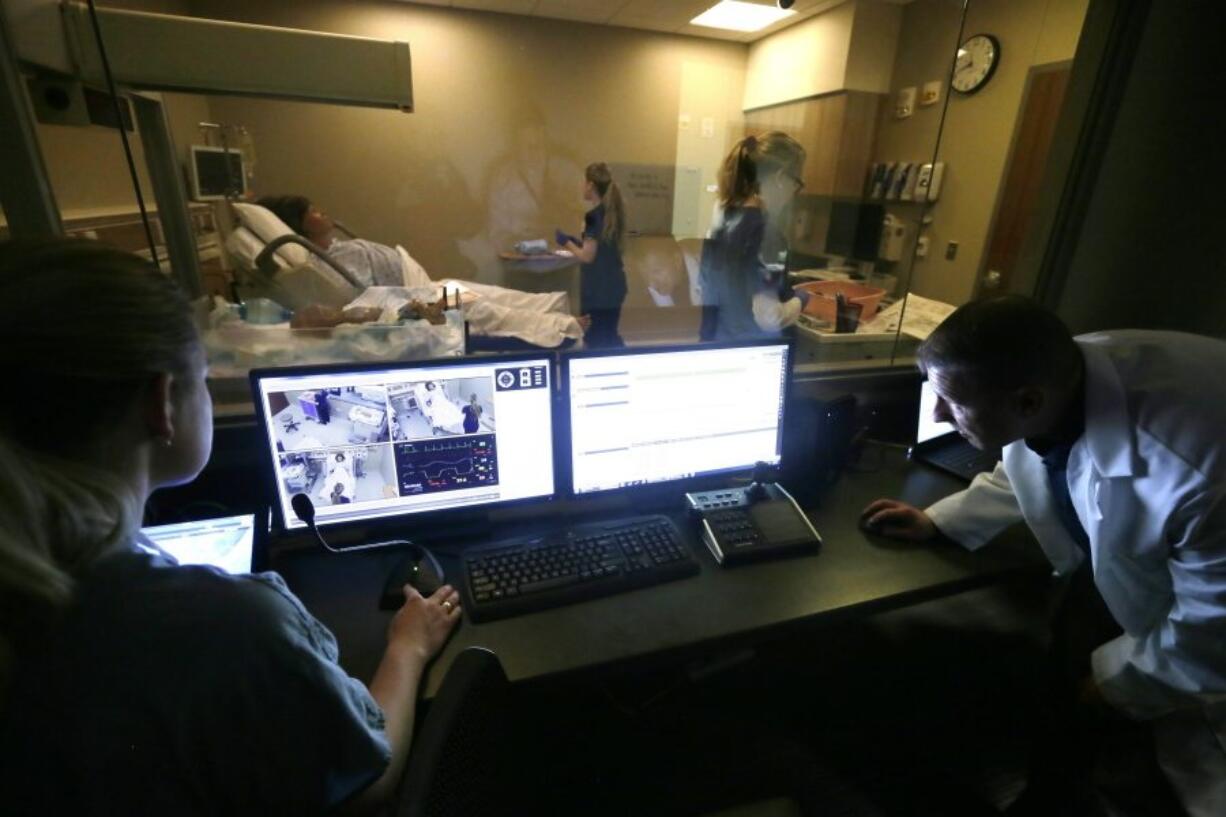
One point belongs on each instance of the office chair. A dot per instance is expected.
(290, 424)
(456, 765)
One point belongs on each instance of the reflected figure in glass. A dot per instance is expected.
(742, 278)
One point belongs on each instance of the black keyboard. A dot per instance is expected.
(578, 563)
(967, 461)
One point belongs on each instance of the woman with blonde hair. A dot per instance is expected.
(602, 281)
(130, 684)
(741, 272)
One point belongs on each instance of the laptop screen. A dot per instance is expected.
(644, 417)
(368, 442)
(226, 542)
(930, 429)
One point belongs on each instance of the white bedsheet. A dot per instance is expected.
(340, 473)
(439, 410)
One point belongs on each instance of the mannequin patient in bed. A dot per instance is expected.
(319, 316)
(538, 318)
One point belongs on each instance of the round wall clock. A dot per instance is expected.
(975, 63)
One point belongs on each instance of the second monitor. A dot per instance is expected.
(652, 416)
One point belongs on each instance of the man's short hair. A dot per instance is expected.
(1003, 343)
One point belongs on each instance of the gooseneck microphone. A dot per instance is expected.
(305, 510)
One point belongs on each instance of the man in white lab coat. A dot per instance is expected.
(1114, 449)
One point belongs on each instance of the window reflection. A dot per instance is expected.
(480, 180)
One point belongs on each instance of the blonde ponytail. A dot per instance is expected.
(598, 174)
(752, 159)
(78, 320)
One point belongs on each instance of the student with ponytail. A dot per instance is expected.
(602, 282)
(130, 684)
(743, 288)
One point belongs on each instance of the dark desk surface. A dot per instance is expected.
(854, 574)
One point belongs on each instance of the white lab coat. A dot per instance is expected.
(1148, 482)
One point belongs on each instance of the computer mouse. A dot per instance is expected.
(417, 568)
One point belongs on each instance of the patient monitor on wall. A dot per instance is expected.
(216, 173)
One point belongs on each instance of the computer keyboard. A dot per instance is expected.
(578, 563)
(967, 460)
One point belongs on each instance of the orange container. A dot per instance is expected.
(822, 305)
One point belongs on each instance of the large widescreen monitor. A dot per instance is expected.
(372, 441)
(651, 416)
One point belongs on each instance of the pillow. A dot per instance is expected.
(243, 247)
(267, 227)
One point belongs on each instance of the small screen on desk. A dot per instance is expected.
(930, 428)
(225, 542)
(369, 443)
(647, 417)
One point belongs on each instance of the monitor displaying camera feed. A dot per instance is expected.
(365, 443)
(643, 417)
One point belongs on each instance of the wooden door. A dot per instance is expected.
(1020, 192)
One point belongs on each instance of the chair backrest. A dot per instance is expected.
(458, 761)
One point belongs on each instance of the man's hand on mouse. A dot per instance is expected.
(898, 520)
(422, 625)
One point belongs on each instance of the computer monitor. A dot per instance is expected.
(854, 230)
(227, 542)
(217, 173)
(370, 441)
(927, 427)
(651, 416)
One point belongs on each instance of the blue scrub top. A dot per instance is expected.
(602, 283)
(184, 690)
(732, 272)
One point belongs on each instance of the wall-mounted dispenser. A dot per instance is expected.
(928, 182)
(893, 237)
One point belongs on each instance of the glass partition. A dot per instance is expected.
(963, 239)
(579, 174)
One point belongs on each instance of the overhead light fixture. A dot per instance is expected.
(737, 15)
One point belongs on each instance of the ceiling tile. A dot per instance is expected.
(504, 6)
(649, 23)
(591, 11)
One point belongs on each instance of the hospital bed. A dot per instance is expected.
(276, 263)
(369, 424)
(339, 474)
(438, 410)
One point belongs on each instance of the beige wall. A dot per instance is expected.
(803, 60)
(508, 112)
(86, 164)
(978, 129)
(874, 42)
(850, 47)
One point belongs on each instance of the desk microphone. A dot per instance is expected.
(305, 509)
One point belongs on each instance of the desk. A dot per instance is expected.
(854, 575)
(541, 273)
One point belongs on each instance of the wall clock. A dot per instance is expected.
(975, 63)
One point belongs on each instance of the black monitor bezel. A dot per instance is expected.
(564, 460)
(271, 476)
